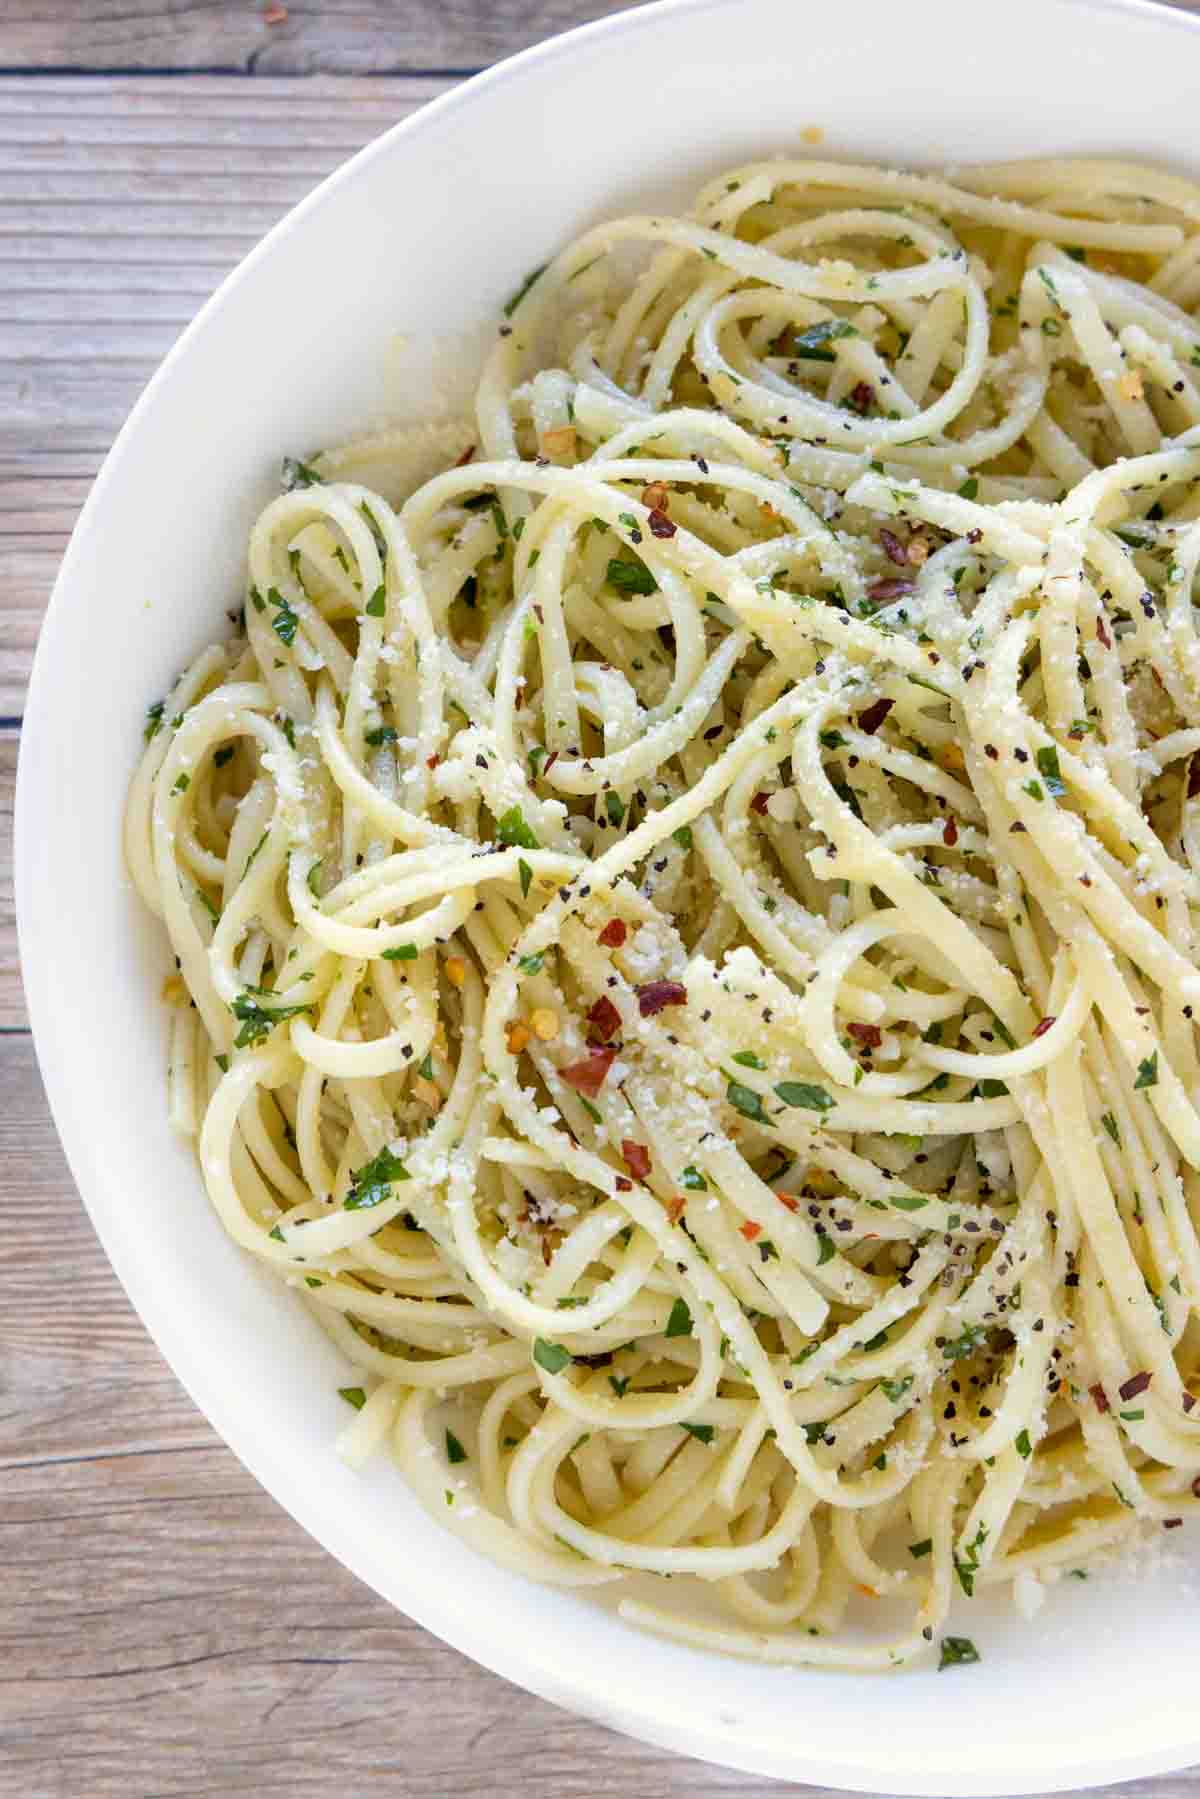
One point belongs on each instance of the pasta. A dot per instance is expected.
(684, 893)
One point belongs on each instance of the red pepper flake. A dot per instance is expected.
(1189, 1400)
(869, 1035)
(636, 1158)
(890, 588)
(604, 1019)
(548, 764)
(750, 1230)
(1196, 1486)
(991, 752)
(432, 761)
(950, 833)
(789, 1200)
(759, 804)
(660, 525)
(676, 1209)
(862, 396)
(870, 720)
(893, 548)
(1172, 1523)
(614, 933)
(624, 1186)
(1101, 1398)
(1137, 1383)
(655, 496)
(656, 995)
(1102, 632)
(1043, 1025)
(466, 456)
(275, 15)
(588, 1077)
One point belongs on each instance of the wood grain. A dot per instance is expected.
(343, 37)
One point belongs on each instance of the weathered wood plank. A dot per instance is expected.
(344, 37)
(123, 204)
(196, 1639)
(12, 996)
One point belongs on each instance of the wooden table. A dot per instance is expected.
(164, 1628)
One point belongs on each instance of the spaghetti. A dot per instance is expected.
(685, 915)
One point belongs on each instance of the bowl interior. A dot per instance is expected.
(367, 303)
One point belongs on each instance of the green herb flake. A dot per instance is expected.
(969, 489)
(679, 1324)
(746, 1058)
(532, 964)
(372, 1183)
(1147, 1074)
(353, 1396)
(377, 604)
(923, 1548)
(454, 1449)
(403, 952)
(693, 1180)
(293, 474)
(513, 832)
(154, 718)
(956, 1651)
(285, 620)
(511, 304)
(1110, 1125)
(1047, 761)
(804, 1095)
(551, 1356)
(1022, 1445)
(703, 1433)
(683, 837)
(630, 577)
(614, 805)
(258, 1021)
(746, 1101)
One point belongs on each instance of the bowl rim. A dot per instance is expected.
(511, 1656)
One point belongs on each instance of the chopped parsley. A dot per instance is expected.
(550, 1356)
(679, 1324)
(804, 1095)
(372, 1183)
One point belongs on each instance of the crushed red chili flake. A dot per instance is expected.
(861, 396)
(869, 1035)
(1137, 1383)
(548, 764)
(655, 496)
(604, 1019)
(1043, 1025)
(1172, 1523)
(1101, 1398)
(660, 525)
(871, 719)
(656, 995)
(750, 1230)
(893, 548)
(623, 1185)
(676, 1209)
(636, 1158)
(1189, 1400)
(759, 804)
(991, 752)
(466, 456)
(788, 1200)
(588, 1077)
(1196, 1486)
(614, 933)
(1102, 632)
(889, 588)
(950, 833)
(432, 761)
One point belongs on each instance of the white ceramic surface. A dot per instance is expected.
(423, 234)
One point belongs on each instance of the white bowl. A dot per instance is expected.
(423, 234)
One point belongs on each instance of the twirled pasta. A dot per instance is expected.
(686, 919)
